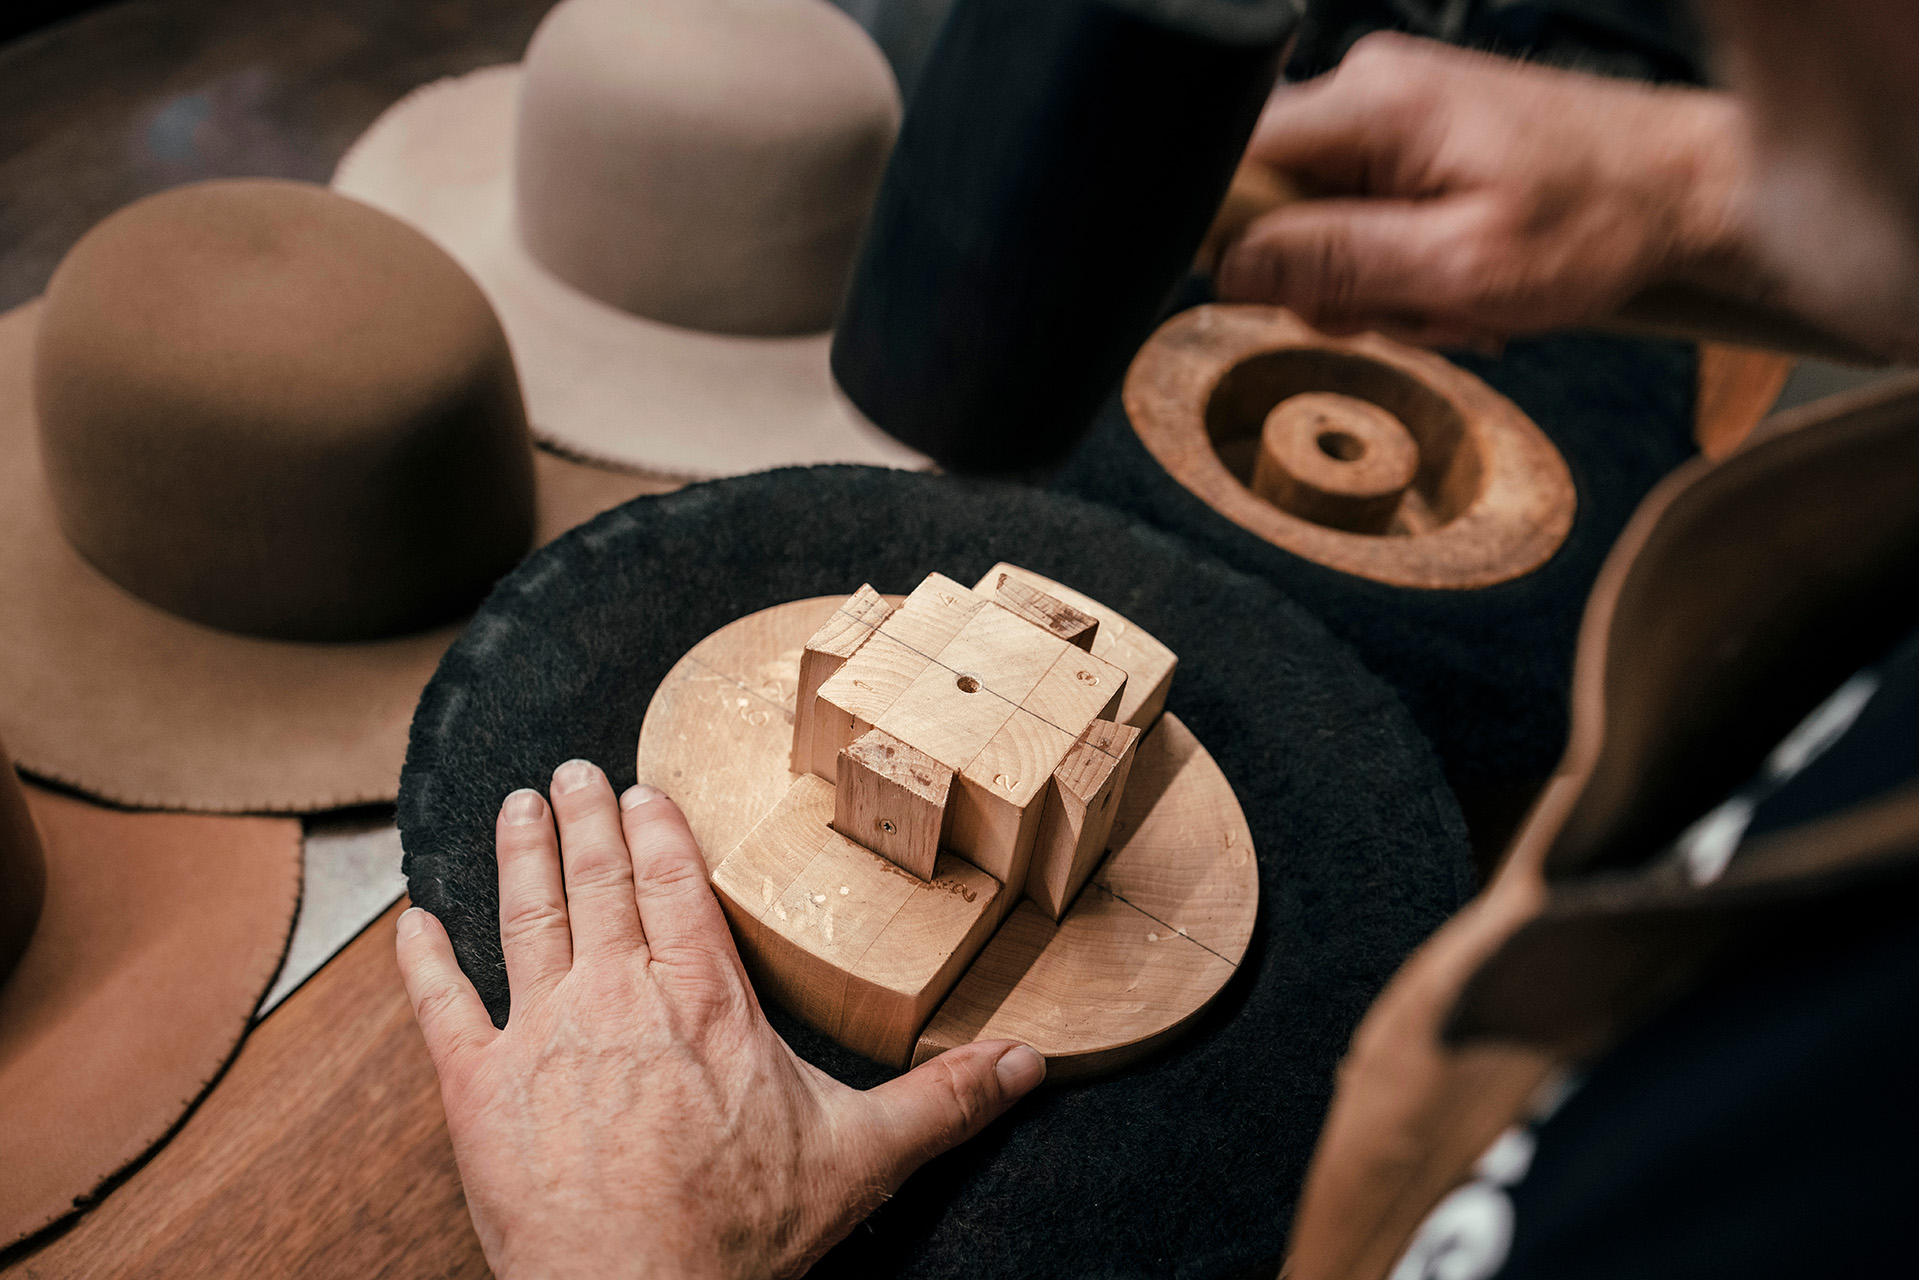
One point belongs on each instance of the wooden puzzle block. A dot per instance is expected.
(852, 699)
(1077, 690)
(1077, 814)
(858, 947)
(1148, 664)
(996, 807)
(1055, 615)
(892, 798)
(837, 640)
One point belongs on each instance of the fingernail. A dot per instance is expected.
(412, 921)
(573, 775)
(638, 794)
(1019, 1069)
(522, 807)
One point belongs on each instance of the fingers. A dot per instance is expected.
(678, 912)
(1344, 261)
(534, 932)
(598, 871)
(1353, 130)
(452, 1020)
(942, 1103)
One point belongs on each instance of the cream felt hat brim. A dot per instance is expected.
(157, 935)
(104, 693)
(600, 383)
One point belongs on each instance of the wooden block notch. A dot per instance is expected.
(842, 635)
(891, 797)
(1075, 627)
(1077, 818)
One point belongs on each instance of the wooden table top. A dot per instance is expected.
(322, 1152)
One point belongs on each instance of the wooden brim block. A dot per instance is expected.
(892, 798)
(1076, 818)
(853, 944)
(1148, 664)
(996, 804)
(1074, 626)
(837, 640)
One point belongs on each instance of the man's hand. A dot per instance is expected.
(1460, 198)
(638, 1116)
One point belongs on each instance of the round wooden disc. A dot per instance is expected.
(1492, 500)
(1149, 942)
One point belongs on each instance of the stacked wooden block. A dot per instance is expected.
(978, 742)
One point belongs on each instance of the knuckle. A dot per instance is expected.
(531, 917)
(671, 869)
(597, 863)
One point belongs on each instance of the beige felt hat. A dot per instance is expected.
(133, 949)
(261, 448)
(663, 202)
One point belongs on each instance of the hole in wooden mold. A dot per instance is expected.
(967, 684)
(1341, 446)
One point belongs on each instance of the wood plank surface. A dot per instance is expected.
(322, 1153)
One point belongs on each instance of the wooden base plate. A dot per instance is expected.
(1154, 936)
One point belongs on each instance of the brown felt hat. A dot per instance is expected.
(261, 448)
(134, 948)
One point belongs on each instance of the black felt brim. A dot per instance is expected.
(1187, 1163)
(1486, 673)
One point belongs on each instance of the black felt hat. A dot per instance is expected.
(1486, 673)
(1187, 1163)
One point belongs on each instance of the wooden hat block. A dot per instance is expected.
(1361, 454)
(959, 815)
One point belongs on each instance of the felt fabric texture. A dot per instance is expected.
(1486, 673)
(1187, 1163)
(279, 412)
(109, 695)
(704, 227)
(158, 933)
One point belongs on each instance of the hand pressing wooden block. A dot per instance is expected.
(839, 639)
(1037, 607)
(853, 944)
(1148, 664)
(891, 797)
(1077, 817)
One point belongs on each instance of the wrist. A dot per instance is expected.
(1714, 240)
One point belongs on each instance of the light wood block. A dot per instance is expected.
(837, 640)
(891, 797)
(851, 701)
(853, 944)
(1074, 626)
(1148, 664)
(1148, 942)
(1077, 816)
(996, 806)
(1005, 652)
(1077, 690)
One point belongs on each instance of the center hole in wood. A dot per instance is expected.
(1341, 445)
(967, 684)
(886, 825)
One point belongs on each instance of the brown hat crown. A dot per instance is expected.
(272, 409)
(23, 870)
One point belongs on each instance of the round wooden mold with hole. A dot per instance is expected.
(1361, 454)
(1149, 942)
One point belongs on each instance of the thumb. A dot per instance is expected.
(940, 1104)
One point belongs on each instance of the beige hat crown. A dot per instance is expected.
(273, 410)
(706, 163)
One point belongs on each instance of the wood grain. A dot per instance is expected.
(1029, 602)
(891, 797)
(322, 1153)
(1148, 664)
(1146, 946)
(853, 944)
(1076, 820)
(838, 639)
(1182, 868)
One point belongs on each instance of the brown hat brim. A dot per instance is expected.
(111, 696)
(158, 934)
